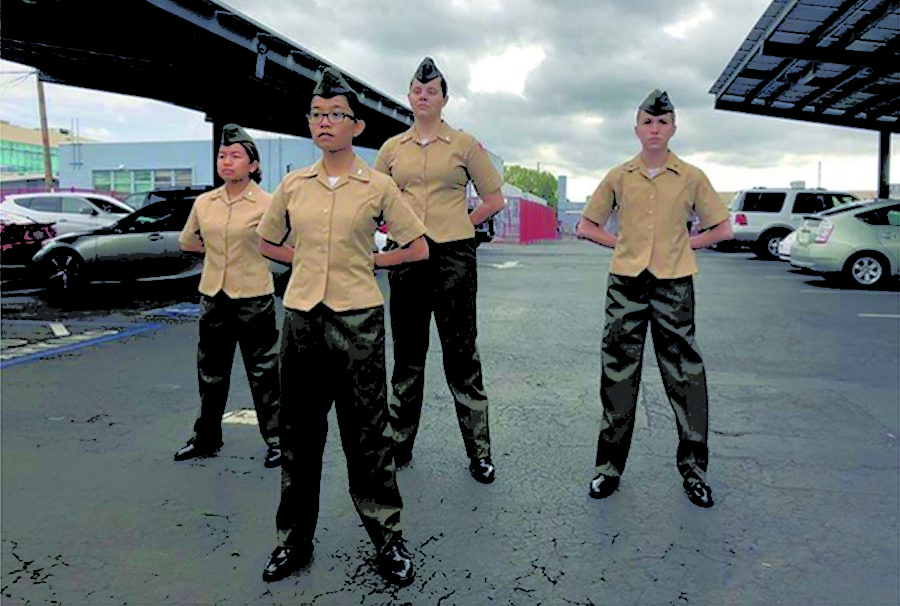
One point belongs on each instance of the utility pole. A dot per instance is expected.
(45, 134)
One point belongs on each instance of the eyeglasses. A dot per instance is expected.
(334, 116)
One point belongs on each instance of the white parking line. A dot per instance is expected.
(855, 292)
(879, 316)
(240, 417)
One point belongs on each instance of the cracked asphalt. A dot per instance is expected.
(804, 459)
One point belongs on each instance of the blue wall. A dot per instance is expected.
(277, 157)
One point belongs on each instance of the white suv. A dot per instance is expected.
(761, 217)
(70, 211)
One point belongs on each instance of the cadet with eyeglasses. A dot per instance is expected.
(433, 164)
(650, 282)
(333, 339)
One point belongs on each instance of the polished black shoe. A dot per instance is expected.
(395, 563)
(402, 459)
(285, 560)
(191, 450)
(273, 457)
(698, 492)
(482, 470)
(602, 486)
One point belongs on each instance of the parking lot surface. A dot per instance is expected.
(804, 399)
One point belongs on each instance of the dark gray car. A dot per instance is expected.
(140, 246)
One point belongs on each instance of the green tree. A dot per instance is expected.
(538, 182)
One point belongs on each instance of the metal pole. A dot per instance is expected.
(884, 172)
(45, 135)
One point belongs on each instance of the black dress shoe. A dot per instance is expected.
(285, 560)
(402, 459)
(193, 450)
(395, 563)
(698, 492)
(273, 457)
(482, 470)
(602, 486)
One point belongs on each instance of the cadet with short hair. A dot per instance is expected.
(237, 303)
(433, 164)
(650, 282)
(333, 342)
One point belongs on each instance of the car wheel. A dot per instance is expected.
(767, 245)
(866, 270)
(65, 272)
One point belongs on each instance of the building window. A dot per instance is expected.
(131, 181)
(163, 178)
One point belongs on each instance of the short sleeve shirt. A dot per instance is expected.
(331, 230)
(232, 261)
(433, 177)
(653, 213)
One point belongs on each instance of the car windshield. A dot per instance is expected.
(840, 209)
(110, 207)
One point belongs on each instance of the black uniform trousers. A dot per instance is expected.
(335, 357)
(446, 285)
(225, 323)
(668, 306)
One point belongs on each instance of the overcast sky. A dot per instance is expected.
(553, 83)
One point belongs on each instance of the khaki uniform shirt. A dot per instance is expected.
(653, 215)
(433, 177)
(331, 230)
(232, 261)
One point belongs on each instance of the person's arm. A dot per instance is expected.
(189, 240)
(280, 253)
(195, 246)
(417, 250)
(719, 233)
(588, 230)
(491, 204)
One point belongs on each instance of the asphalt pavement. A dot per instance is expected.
(804, 456)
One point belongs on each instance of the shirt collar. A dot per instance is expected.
(673, 163)
(445, 134)
(250, 193)
(359, 171)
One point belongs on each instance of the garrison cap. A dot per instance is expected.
(428, 71)
(232, 133)
(333, 84)
(657, 103)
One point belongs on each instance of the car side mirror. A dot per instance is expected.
(894, 218)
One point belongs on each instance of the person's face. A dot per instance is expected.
(233, 163)
(329, 134)
(426, 99)
(654, 132)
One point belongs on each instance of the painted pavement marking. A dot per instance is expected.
(59, 329)
(28, 352)
(240, 417)
(879, 316)
(855, 292)
(505, 264)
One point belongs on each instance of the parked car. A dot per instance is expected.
(21, 237)
(860, 245)
(140, 246)
(761, 217)
(185, 194)
(784, 248)
(70, 212)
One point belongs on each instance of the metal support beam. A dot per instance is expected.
(823, 55)
(803, 116)
(884, 169)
